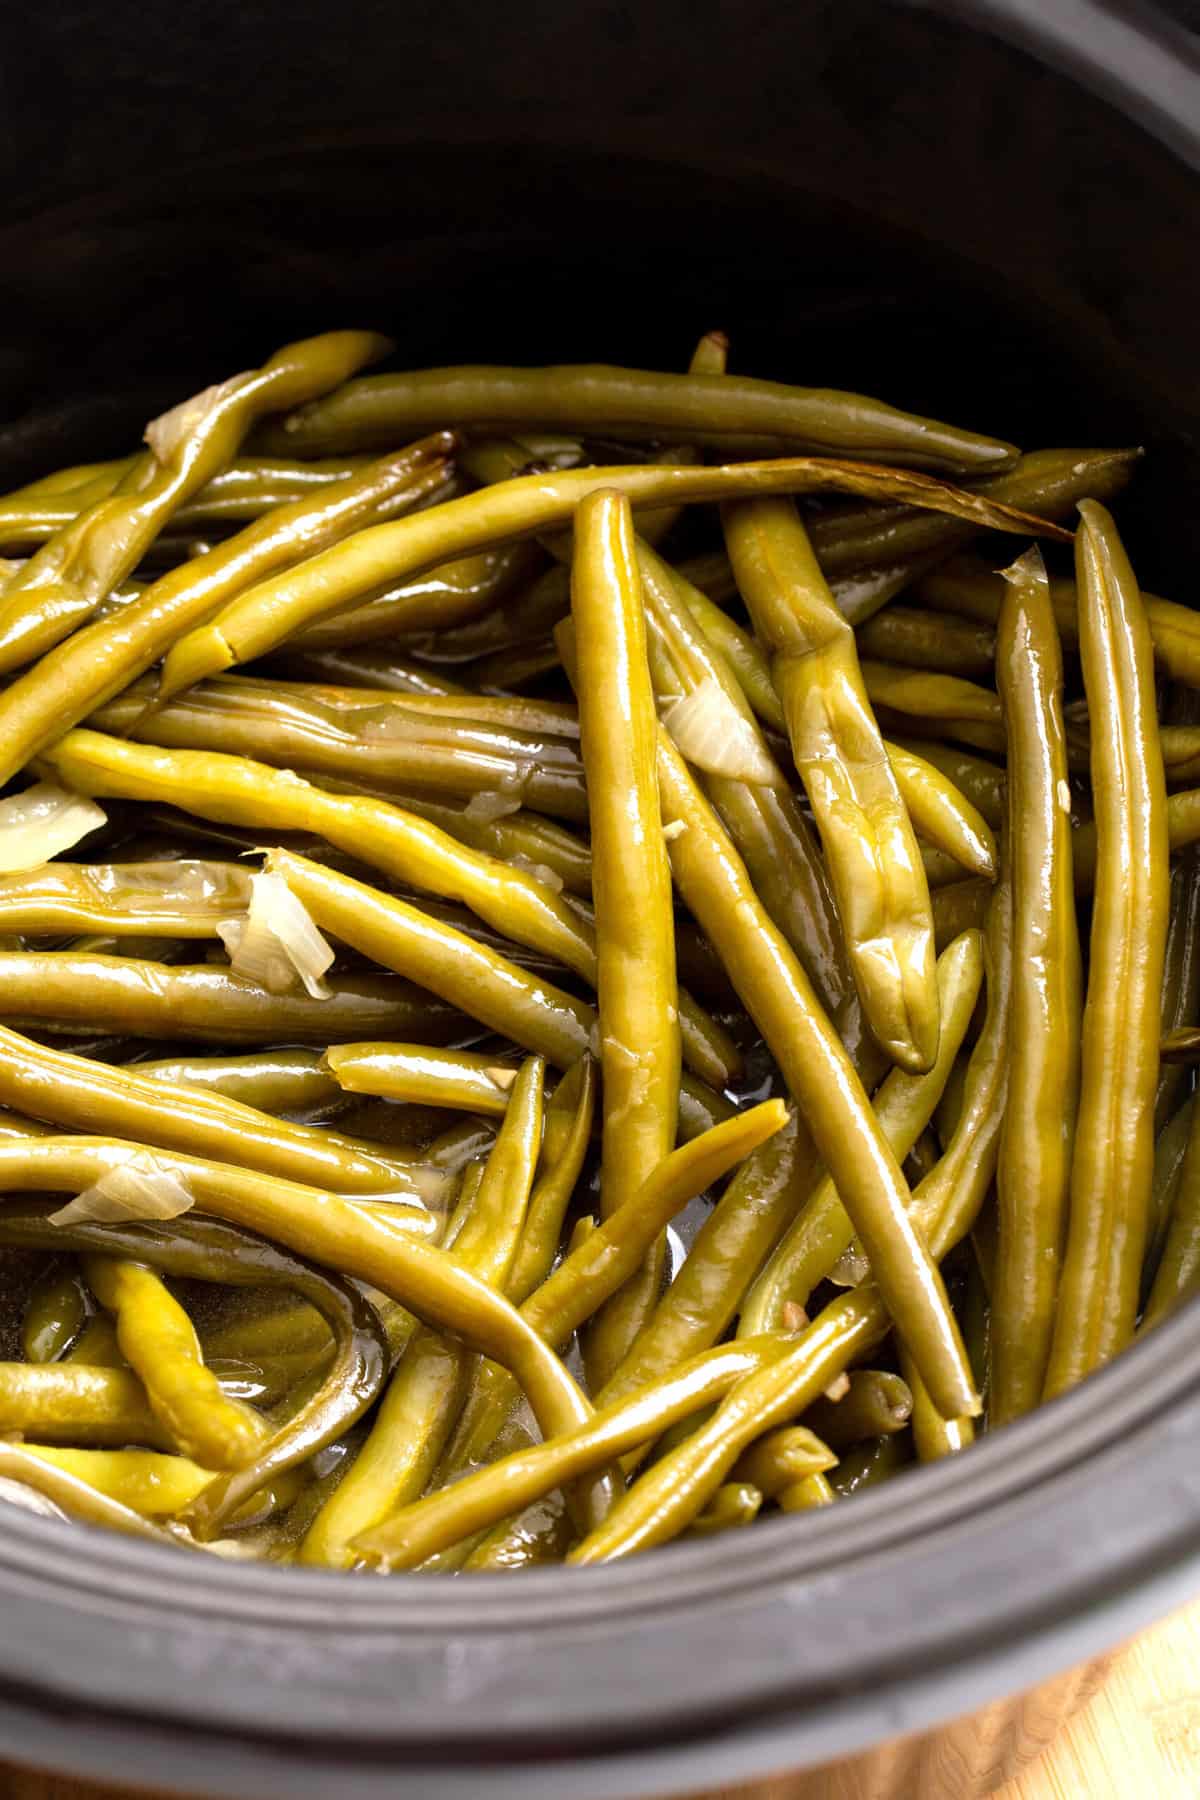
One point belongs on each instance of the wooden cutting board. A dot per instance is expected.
(1139, 1735)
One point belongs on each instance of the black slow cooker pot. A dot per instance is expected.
(985, 212)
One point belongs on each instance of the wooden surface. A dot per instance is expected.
(1138, 1735)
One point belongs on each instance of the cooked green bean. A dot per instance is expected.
(942, 814)
(783, 1457)
(906, 635)
(75, 994)
(902, 1107)
(86, 1095)
(430, 1282)
(1047, 482)
(386, 672)
(980, 781)
(730, 1247)
(267, 614)
(595, 1268)
(415, 1073)
(971, 590)
(271, 1081)
(76, 1498)
(934, 1437)
(1114, 1142)
(180, 899)
(1034, 1170)
(60, 586)
(729, 412)
(160, 1344)
(780, 999)
(382, 741)
(484, 1497)
(735, 1503)
(803, 1495)
(637, 998)
(870, 849)
(1169, 1151)
(425, 1392)
(55, 1313)
(237, 791)
(70, 1402)
(869, 1464)
(875, 1404)
(957, 907)
(762, 816)
(1179, 1266)
(452, 594)
(102, 658)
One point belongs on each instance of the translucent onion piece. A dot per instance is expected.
(711, 733)
(142, 1189)
(42, 822)
(277, 943)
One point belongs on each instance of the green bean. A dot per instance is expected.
(594, 1270)
(982, 782)
(427, 1388)
(150, 1482)
(409, 849)
(1114, 1143)
(96, 1346)
(902, 1107)
(735, 1503)
(102, 658)
(182, 899)
(704, 408)
(76, 1498)
(159, 1341)
(1169, 1151)
(61, 585)
(802, 1496)
(873, 861)
(451, 595)
(565, 1139)
(1179, 1266)
(781, 1458)
(541, 1534)
(1183, 830)
(429, 1282)
(1034, 1171)
(875, 1404)
(273, 611)
(385, 742)
(763, 817)
(1047, 482)
(85, 1095)
(959, 906)
(75, 994)
(69, 1402)
(543, 1018)
(486, 1496)
(243, 491)
(972, 590)
(631, 887)
(729, 1249)
(868, 1465)
(933, 1437)
(780, 999)
(55, 1313)
(927, 695)
(271, 1081)
(505, 712)
(414, 1073)
(922, 640)
(383, 671)
(942, 814)
(944, 1207)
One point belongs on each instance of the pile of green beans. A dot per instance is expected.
(752, 1044)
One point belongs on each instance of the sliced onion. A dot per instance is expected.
(548, 877)
(42, 822)
(492, 803)
(710, 732)
(142, 1188)
(277, 942)
(170, 430)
